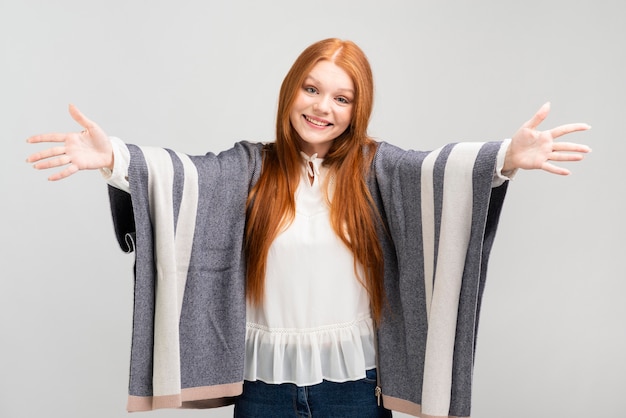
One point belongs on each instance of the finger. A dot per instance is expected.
(570, 147)
(565, 156)
(539, 117)
(554, 169)
(79, 117)
(568, 128)
(51, 152)
(53, 162)
(69, 170)
(54, 137)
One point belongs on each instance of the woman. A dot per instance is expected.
(363, 265)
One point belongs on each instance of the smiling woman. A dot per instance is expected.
(321, 274)
(323, 108)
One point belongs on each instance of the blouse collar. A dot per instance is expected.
(312, 163)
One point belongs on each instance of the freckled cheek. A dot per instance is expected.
(346, 117)
(295, 115)
(297, 109)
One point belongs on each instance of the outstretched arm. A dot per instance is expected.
(532, 149)
(89, 149)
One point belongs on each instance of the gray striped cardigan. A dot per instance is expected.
(185, 217)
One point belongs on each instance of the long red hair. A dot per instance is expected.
(271, 204)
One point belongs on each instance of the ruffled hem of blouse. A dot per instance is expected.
(337, 353)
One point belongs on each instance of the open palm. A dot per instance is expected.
(87, 150)
(534, 149)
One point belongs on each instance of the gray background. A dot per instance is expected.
(200, 75)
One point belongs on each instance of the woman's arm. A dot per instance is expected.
(87, 150)
(532, 149)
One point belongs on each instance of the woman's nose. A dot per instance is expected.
(322, 105)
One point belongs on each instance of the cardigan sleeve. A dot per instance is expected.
(184, 219)
(440, 211)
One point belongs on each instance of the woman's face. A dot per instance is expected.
(323, 107)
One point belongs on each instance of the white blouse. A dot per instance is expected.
(314, 322)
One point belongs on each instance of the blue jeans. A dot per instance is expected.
(355, 399)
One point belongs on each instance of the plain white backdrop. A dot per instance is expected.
(199, 75)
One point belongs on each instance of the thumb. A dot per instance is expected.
(538, 117)
(78, 116)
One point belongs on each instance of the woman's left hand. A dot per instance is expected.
(532, 149)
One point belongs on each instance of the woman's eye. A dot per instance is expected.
(310, 90)
(343, 100)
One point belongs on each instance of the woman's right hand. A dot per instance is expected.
(87, 150)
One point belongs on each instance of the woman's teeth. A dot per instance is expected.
(316, 122)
